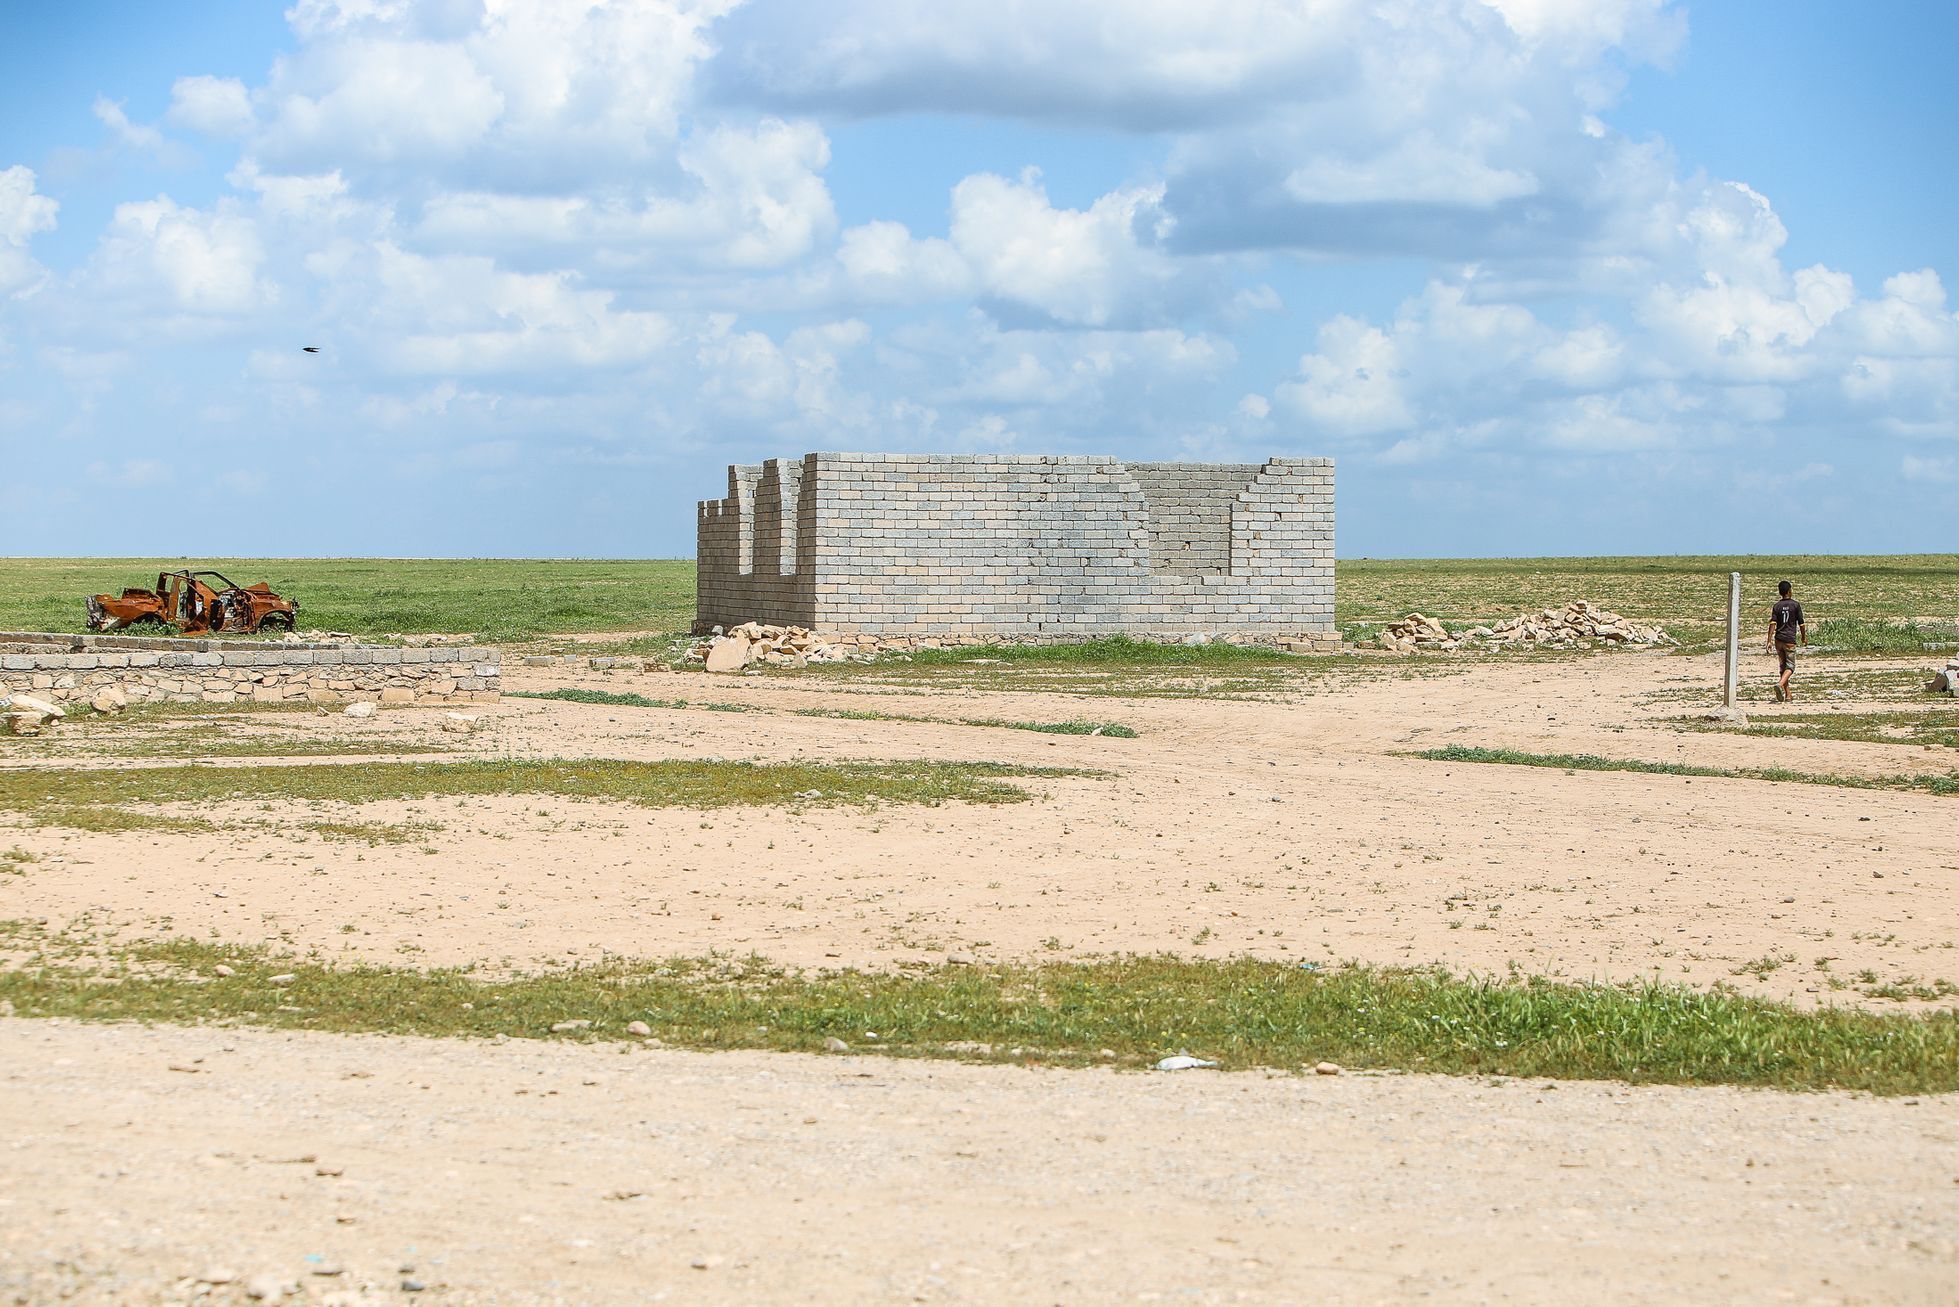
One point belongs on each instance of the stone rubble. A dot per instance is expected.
(26, 715)
(1577, 625)
(798, 646)
(782, 646)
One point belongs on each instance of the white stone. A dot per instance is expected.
(729, 653)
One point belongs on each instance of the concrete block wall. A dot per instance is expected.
(69, 668)
(1190, 514)
(1019, 546)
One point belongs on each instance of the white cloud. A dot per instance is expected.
(504, 92)
(459, 315)
(1157, 64)
(191, 260)
(23, 214)
(883, 263)
(1720, 339)
(1103, 266)
(382, 101)
(215, 106)
(137, 136)
(1352, 385)
(757, 200)
(1089, 267)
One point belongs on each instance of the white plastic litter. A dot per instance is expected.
(1183, 1062)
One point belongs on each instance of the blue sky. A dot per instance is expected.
(1546, 277)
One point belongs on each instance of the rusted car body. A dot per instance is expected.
(196, 602)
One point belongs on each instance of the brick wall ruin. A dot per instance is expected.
(74, 668)
(1020, 546)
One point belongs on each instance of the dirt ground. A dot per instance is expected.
(1287, 827)
(140, 1160)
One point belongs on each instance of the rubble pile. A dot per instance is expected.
(797, 646)
(1577, 625)
(779, 646)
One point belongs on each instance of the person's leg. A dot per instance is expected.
(1788, 660)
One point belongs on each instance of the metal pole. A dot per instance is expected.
(1734, 639)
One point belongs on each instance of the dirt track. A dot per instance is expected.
(554, 1173)
(1287, 829)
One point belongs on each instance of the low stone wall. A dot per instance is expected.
(75, 668)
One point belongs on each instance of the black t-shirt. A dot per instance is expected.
(1787, 616)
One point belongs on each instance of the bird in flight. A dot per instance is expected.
(311, 349)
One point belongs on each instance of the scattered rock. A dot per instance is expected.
(1326, 1069)
(222, 970)
(35, 704)
(961, 959)
(567, 1027)
(639, 1028)
(456, 723)
(1731, 716)
(285, 978)
(217, 1275)
(110, 699)
(1577, 625)
(362, 709)
(25, 714)
(265, 1288)
(834, 1045)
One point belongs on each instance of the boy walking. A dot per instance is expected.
(1786, 626)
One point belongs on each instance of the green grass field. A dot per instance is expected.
(518, 599)
(492, 598)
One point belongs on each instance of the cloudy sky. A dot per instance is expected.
(1546, 276)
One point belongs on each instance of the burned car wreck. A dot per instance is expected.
(196, 602)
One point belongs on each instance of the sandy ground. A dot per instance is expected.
(1288, 829)
(139, 1160)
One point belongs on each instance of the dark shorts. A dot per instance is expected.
(1785, 656)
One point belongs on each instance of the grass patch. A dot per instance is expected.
(1948, 784)
(1939, 728)
(1108, 730)
(85, 737)
(1111, 651)
(1862, 635)
(1113, 730)
(1242, 1013)
(607, 697)
(119, 799)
